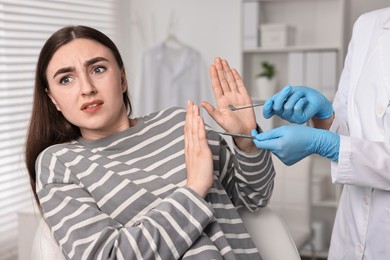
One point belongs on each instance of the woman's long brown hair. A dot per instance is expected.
(47, 125)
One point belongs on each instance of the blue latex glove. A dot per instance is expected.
(298, 105)
(292, 143)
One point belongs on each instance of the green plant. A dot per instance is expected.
(267, 70)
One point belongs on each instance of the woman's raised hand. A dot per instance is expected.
(199, 161)
(229, 89)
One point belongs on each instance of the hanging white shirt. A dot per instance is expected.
(169, 77)
(362, 224)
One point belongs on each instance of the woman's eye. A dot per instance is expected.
(65, 80)
(98, 70)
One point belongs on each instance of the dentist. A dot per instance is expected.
(354, 133)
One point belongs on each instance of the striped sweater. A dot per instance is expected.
(124, 196)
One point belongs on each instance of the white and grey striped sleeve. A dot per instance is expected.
(165, 231)
(248, 178)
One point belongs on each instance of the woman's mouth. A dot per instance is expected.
(92, 107)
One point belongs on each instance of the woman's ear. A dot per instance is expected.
(52, 99)
(123, 80)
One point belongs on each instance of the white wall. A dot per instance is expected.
(213, 27)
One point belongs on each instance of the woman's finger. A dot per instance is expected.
(221, 76)
(229, 76)
(217, 88)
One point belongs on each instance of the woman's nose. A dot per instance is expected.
(87, 88)
(89, 92)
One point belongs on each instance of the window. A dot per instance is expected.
(24, 26)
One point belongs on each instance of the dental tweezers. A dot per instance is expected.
(234, 108)
(236, 135)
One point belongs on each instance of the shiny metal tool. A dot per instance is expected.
(236, 135)
(234, 108)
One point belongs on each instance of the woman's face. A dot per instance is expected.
(87, 86)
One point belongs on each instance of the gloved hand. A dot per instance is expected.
(292, 143)
(298, 105)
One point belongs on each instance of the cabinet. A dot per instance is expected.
(313, 57)
(324, 202)
(315, 54)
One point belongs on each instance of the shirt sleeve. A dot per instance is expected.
(165, 230)
(247, 178)
(362, 163)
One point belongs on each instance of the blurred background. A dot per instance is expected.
(270, 42)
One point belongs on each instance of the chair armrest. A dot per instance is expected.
(270, 234)
(44, 246)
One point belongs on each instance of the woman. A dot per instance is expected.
(354, 133)
(111, 186)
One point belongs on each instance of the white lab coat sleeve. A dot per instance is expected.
(361, 162)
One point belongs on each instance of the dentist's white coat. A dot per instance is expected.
(362, 225)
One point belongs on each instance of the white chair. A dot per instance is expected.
(270, 234)
(44, 246)
(291, 200)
